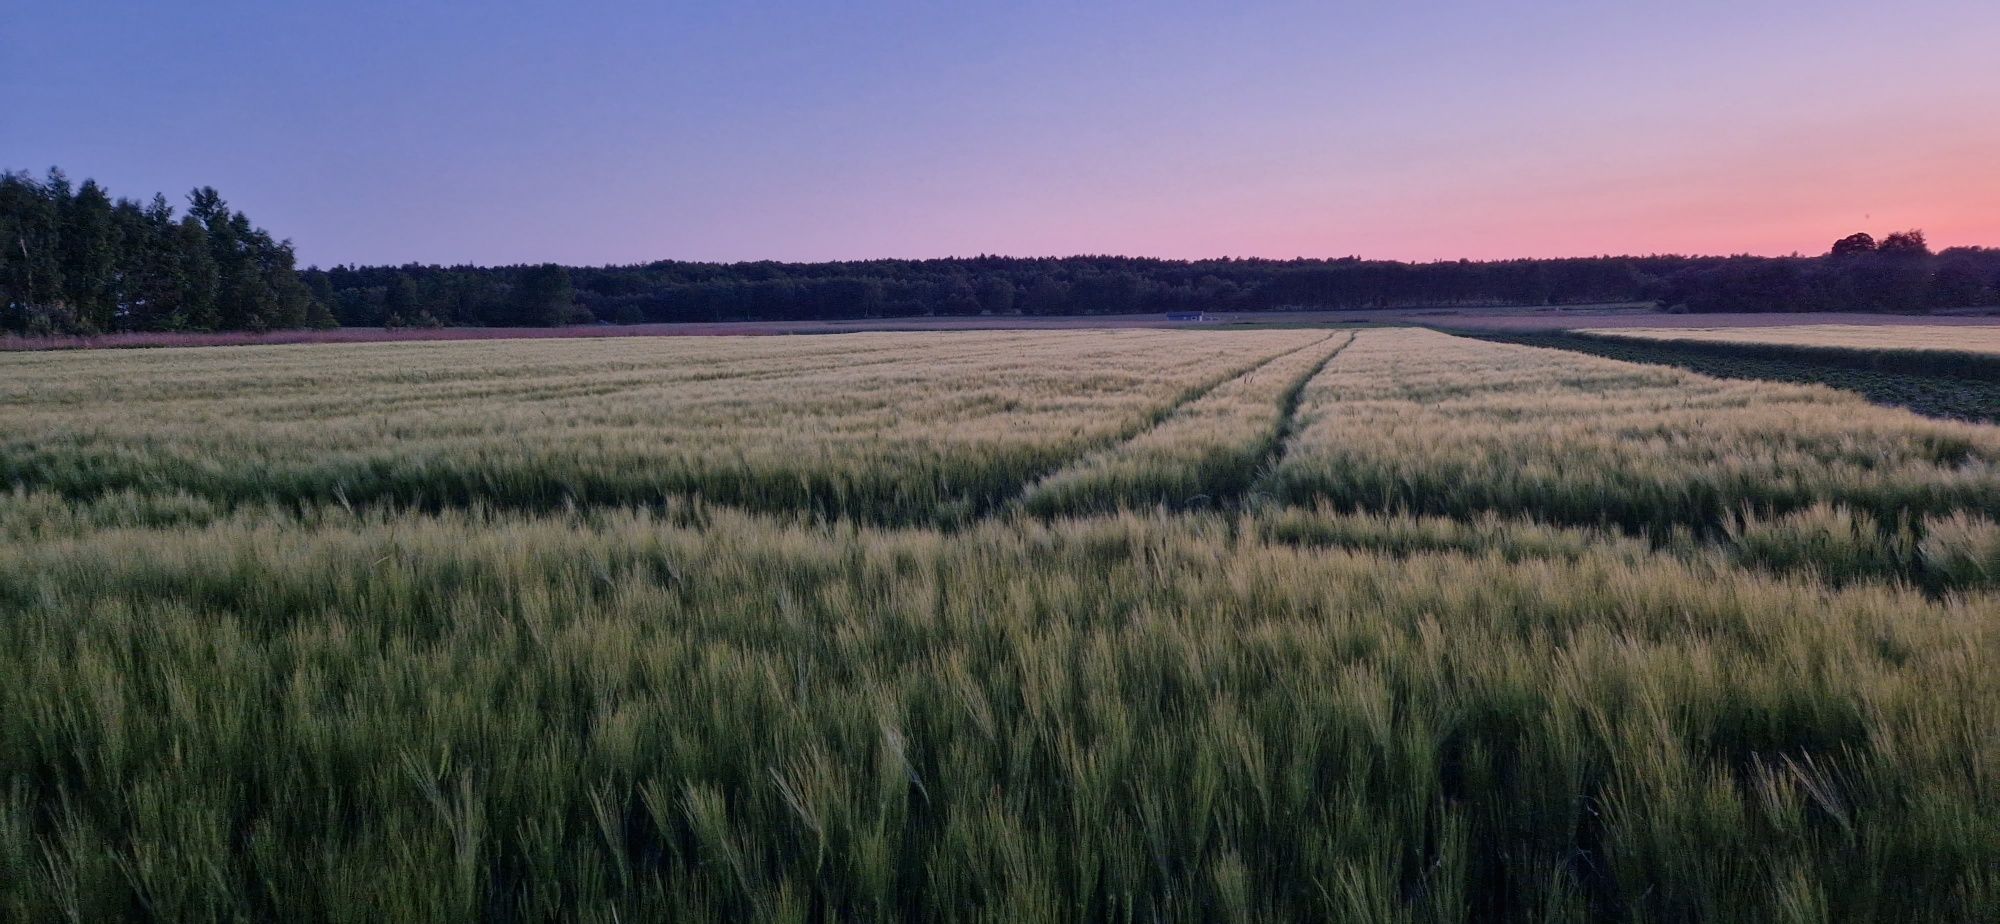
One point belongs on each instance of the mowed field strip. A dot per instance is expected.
(1386, 625)
(1913, 336)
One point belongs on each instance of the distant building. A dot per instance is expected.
(1188, 316)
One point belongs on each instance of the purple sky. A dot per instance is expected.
(593, 133)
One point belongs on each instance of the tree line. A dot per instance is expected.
(73, 260)
(1893, 278)
(671, 291)
(1898, 274)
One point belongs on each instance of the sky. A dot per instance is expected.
(622, 132)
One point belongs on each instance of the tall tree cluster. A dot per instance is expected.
(1898, 274)
(74, 260)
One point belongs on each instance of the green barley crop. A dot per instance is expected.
(798, 630)
(886, 427)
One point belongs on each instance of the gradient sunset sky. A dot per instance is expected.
(590, 133)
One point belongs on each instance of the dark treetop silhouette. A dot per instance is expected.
(76, 261)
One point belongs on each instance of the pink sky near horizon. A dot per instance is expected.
(380, 131)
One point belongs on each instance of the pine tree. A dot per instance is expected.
(31, 276)
(275, 262)
(155, 287)
(996, 295)
(399, 302)
(247, 301)
(319, 314)
(1046, 296)
(201, 278)
(89, 255)
(544, 296)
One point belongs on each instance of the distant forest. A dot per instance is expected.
(74, 260)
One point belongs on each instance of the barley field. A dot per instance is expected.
(1384, 625)
(1964, 338)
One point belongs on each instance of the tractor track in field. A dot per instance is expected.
(1012, 502)
(1288, 421)
(1267, 453)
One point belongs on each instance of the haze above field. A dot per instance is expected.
(624, 132)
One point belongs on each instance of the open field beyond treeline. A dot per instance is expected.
(1908, 336)
(1950, 371)
(1287, 624)
(1517, 319)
